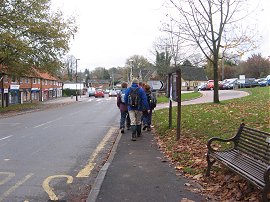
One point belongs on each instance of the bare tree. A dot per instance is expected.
(69, 66)
(212, 26)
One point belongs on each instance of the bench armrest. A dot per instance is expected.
(267, 175)
(211, 149)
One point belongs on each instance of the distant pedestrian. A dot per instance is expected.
(136, 99)
(152, 102)
(123, 108)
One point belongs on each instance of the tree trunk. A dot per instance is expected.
(216, 86)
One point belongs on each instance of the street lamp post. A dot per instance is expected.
(76, 79)
(112, 80)
(80, 84)
(131, 70)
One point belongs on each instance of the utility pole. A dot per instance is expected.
(76, 79)
(131, 70)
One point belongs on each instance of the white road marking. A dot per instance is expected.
(9, 176)
(13, 188)
(90, 100)
(37, 126)
(10, 123)
(6, 137)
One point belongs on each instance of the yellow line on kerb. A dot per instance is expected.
(86, 171)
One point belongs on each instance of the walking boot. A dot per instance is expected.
(133, 130)
(139, 130)
(128, 126)
(144, 127)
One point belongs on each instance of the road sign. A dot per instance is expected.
(155, 85)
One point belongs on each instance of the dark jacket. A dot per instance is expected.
(121, 105)
(143, 100)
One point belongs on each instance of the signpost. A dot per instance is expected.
(174, 93)
(155, 85)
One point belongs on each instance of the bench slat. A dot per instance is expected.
(255, 141)
(253, 151)
(234, 156)
(243, 166)
(245, 128)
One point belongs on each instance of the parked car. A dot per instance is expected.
(230, 83)
(99, 93)
(249, 83)
(203, 87)
(112, 93)
(107, 91)
(91, 91)
(265, 81)
(210, 85)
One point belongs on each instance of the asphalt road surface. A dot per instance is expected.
(56, 154)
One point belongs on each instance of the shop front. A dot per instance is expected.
(25, 95)
(35, 94)
(14, 97)
(51, 93)
(45, 94)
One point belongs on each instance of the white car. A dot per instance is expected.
(112, 93)
(91, 91)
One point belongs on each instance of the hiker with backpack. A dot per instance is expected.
(136, 100)
(152, 102)
(124, 116)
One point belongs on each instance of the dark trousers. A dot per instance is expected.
(147, 118)
(124, 119)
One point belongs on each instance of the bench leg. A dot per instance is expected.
(264, 194)
(209, 165)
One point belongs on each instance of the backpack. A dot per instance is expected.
(133, 97)
(122, 96)
(152, 100)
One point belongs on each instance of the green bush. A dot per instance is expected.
(68, 92)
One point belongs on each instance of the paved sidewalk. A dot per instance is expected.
(137, 171)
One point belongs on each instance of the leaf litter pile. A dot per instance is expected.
(188, 156)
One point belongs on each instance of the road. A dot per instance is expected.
(56, 154)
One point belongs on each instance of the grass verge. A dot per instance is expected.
(19, 107)
(203, 121)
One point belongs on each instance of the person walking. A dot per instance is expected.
(136, 100)
(147, 115)
(124, 116)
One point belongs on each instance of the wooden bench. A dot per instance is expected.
(248, 156)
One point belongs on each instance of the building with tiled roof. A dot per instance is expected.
(34, 87)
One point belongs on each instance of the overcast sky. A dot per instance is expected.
(112, 31)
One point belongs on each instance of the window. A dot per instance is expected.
(6, 78)
(34, 80)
